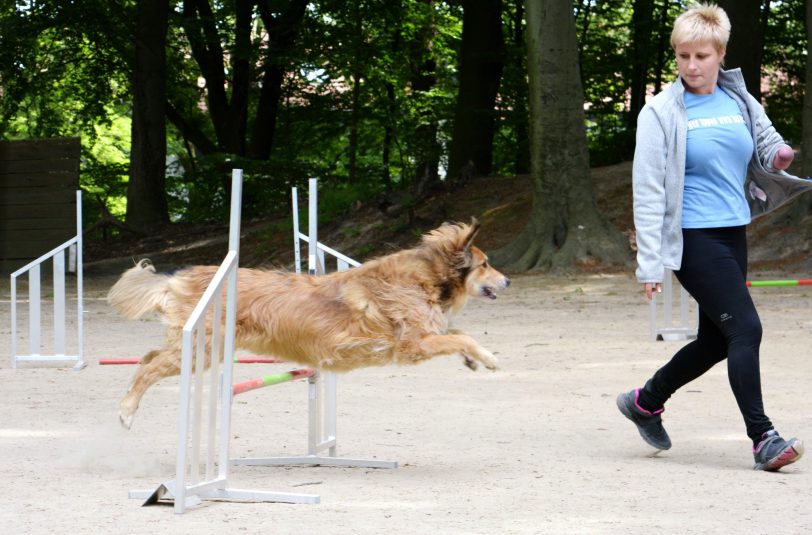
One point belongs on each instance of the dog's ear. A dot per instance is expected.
(473, 230)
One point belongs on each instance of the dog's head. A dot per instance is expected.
(465, 268)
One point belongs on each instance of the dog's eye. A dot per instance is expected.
(485, 264)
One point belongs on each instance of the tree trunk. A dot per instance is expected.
(422, 79)
(806, 143)
(746, 45)
(642, 28)
(147, 206)
(283, 30)
(803, 205)
(227, 98)
(521, 161)
(663, 45)
(388, 138)
(480, 72)
(355, 119)
(565, 226)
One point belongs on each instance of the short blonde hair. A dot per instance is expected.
(702, 23)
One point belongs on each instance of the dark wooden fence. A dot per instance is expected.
(38, 183)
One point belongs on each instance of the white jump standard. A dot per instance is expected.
(202, 463)
(322, 387)
(35, 320)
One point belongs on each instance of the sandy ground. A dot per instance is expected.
(537, 447)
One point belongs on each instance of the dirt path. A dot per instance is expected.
(537, 447)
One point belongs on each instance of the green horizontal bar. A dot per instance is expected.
(774, 283)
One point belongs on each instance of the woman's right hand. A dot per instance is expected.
(651, 287)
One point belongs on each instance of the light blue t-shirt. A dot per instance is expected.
(719, 147)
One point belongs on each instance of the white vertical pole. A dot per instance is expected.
(652, 310)
(197, 406)
(330, 404)
(297, 247)
(216, 351)
(312, 227)
(13, 322)
(313, 420)
(331, 393)
(59, 303)
(668, 290)
(314, 382)
(80, 310)
(231, 320)
(183, 425)
(34, 310)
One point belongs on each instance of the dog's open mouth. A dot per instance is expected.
(488, 292)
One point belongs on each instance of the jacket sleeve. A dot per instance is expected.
(767, 138)
(648, 187)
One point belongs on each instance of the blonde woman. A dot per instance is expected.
(707, 161)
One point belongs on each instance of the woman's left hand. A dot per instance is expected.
(783, 158)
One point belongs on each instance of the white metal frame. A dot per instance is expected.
(33, 268)
(202, 467)
(668, 330)
(322, 388)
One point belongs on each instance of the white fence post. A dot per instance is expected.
(58, 352)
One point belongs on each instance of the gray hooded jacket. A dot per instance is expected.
(658, 176)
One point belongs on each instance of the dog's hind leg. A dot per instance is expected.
(435, 345)
(155, 366)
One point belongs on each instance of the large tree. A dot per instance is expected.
(746, 46)
(565, 226)
(243, 60)
(480, 71)
(146, 191)
(641, 58)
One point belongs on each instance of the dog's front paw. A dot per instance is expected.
(484, 357)
(125, 419)
(125, 414)
(490, 362)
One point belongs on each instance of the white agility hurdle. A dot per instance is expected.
(322, 387)
(36, 347)
(202, 464)
(667, 328)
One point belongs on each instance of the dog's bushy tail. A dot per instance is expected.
(139, 291)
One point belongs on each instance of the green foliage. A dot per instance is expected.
(783, 67)
(604, 39)
(363, 78)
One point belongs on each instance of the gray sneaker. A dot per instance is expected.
(649, 424)
(773, 452)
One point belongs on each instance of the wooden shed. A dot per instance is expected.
(38, 183)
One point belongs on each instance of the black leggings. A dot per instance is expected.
(714, 271)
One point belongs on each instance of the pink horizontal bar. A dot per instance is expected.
(119, 361)
(270, 380)
(241, 360)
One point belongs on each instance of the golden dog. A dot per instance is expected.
(394, 309)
